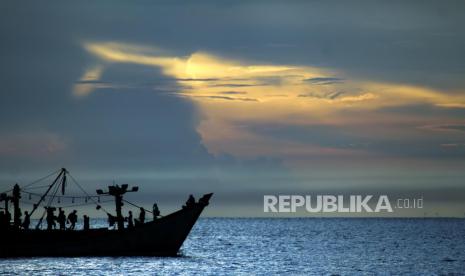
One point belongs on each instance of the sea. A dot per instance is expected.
(294, 246)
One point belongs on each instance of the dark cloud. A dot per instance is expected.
(229, 98)
(233, 85)
(233, 92)
(454, 127)
(132, 126)
(429, 111)
(202, 80)
(129, 129)
(324, 81)
(397, 42)
(359, 138)
(327, 95)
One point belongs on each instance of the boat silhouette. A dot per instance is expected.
(162, 236)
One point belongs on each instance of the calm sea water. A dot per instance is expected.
(287, 246)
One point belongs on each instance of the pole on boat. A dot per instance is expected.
(62, 172)
(17, 211)
(6, 198)
(118, 192)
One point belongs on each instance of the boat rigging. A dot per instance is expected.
(160, 237)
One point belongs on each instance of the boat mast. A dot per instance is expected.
(62, 172)
(17, 212)
(6, 198)
(118, 193)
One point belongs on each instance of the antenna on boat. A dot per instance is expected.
(118, 192)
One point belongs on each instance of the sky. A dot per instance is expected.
(239, 98)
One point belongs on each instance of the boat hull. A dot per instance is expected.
(161, 237)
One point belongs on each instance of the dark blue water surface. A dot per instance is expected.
(220, 246)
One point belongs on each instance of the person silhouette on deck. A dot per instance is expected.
(86, 222)
(50, 218)
(3, 223)
(155, 211)
(130, 220)
(142, 216)
(17, 218)
(72, 219)
(111, 220)
(7, 218)
(27, 220)
(190, 201)
(61, 219)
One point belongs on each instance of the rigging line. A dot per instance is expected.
(68, 196)
(32, 188)
(39, 223)
(93, 200)
(48, 190)
(83, 204)
(40, 179)
(130, 203)
(48, 204)
(7, 191)
(34, 182)
(79, 186)
(28, 202)
(56, 188)
(34, 194)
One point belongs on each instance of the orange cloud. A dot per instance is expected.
(262, 93)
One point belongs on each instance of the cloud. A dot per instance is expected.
(324, 81)
(358, 98)
(452, 145)
(275, 95)
(37, 144)
(229, 98)
(326, 95)
(452, 105)
(445, 127)
(357, 141)
(234, 85)
(339, 96)
(120, 118)
(233, 92)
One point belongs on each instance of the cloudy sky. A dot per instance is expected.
(238, 98)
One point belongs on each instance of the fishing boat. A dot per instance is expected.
(162, 236)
